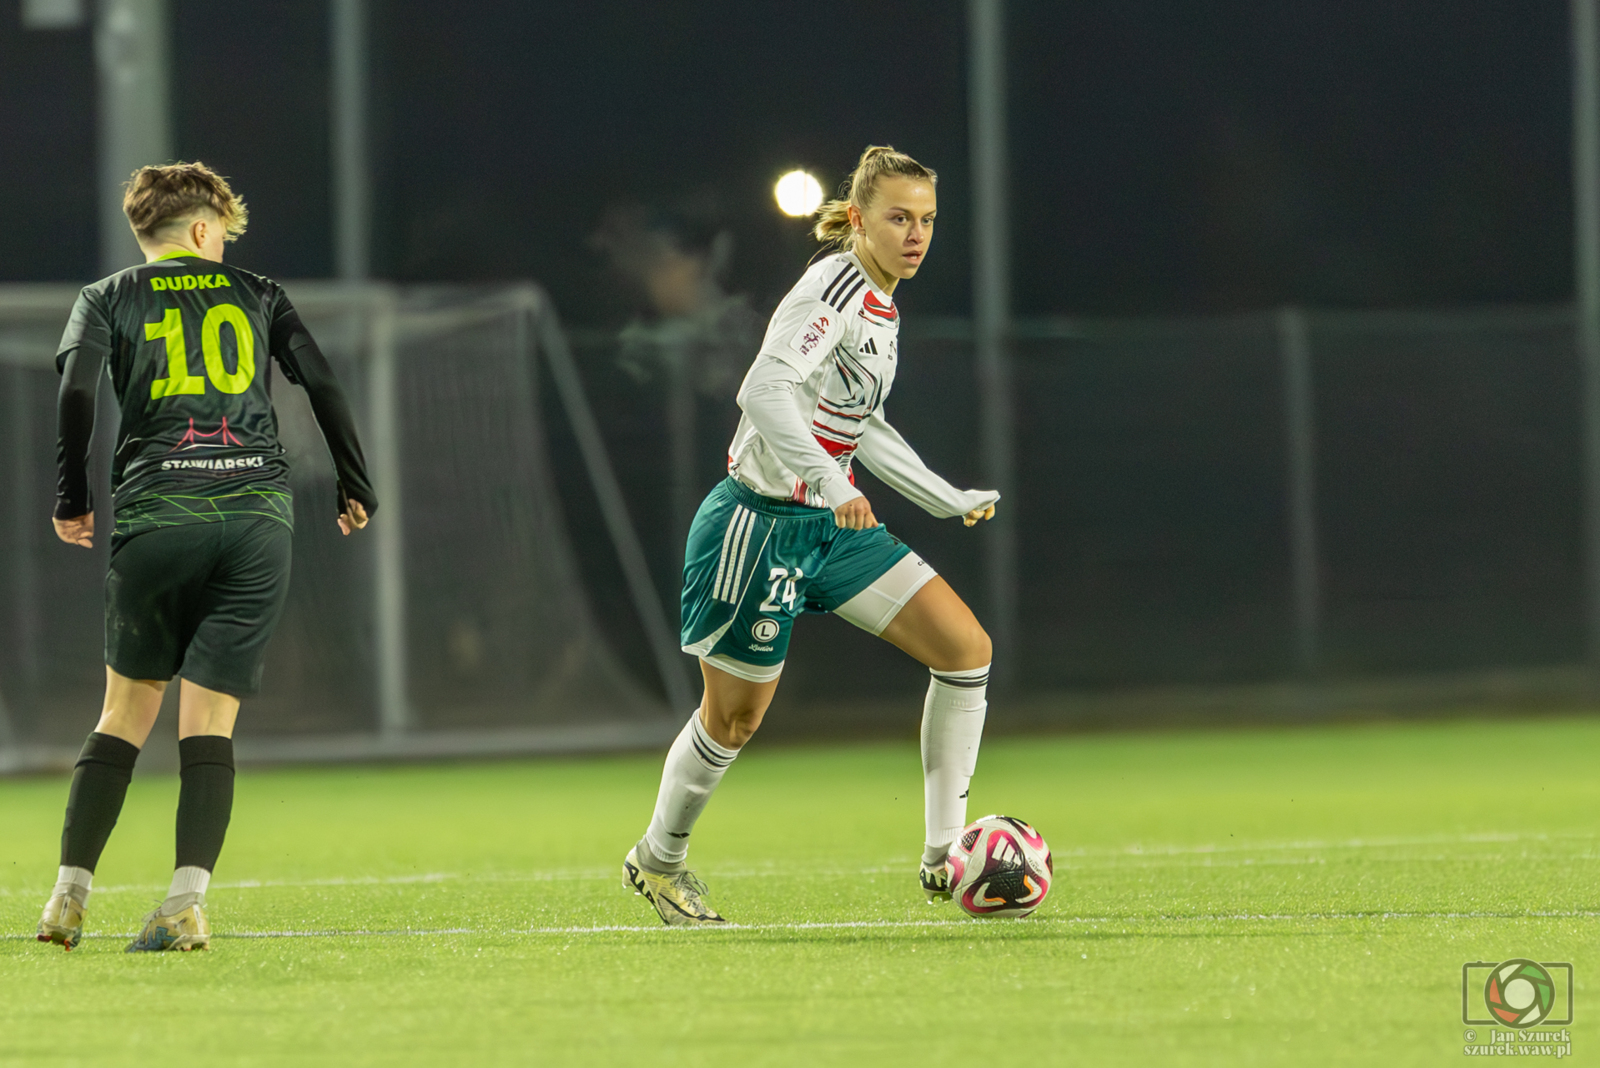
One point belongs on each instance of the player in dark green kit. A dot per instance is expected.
(200, 547)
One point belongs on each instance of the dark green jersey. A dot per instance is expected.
(189, 344)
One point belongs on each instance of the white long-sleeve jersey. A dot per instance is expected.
(813, 399)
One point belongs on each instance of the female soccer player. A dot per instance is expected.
(788, 532)
(201, 544)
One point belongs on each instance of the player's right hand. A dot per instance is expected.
(855, 514)
(353, 518)
(79, 531)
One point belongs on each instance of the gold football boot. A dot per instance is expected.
(679, 898)
(62, 922)
(184, 930)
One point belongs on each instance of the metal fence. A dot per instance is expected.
(1295, 495)
(1291, 495)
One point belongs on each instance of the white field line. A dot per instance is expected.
(854, 925)
(1489, 838)
(1072, 859)
(952, 924)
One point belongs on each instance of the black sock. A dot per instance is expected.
(205, 799)
(99, 785)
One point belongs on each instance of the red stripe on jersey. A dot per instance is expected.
(841, 415)
(835, 448)
(873, 306)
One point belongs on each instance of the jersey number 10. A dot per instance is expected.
(178, 380)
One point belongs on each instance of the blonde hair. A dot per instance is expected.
(878, 161)
(156, 196)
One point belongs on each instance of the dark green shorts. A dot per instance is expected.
(199, 600)
(753, 564)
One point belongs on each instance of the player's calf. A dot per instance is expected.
(952, 729)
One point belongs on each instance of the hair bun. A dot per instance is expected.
(877, 161)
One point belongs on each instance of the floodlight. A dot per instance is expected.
(798, 193)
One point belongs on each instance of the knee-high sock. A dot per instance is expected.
(205, 799)
(952, 728)
(695, 765)
(99, 785)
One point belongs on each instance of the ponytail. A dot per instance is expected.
(878, 161)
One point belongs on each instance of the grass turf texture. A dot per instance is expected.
(1264, 897)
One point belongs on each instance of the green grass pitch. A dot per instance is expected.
(1266, 897)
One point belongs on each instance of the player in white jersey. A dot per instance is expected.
(788, 532)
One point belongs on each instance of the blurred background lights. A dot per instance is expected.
(798, 193)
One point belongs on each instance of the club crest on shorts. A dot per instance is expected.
(764, 630)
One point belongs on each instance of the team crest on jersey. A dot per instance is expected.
(874, 310)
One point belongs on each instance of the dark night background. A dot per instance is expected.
(1169, 157)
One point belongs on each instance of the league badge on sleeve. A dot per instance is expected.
(811, 335)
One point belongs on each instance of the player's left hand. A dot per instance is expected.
(79, 531)
(353, 518)
(972, 517)
(855, 514)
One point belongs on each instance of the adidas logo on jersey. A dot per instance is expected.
(869, 348)
(192, 281)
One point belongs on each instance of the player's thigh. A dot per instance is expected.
(131, 707)
(869, 578)
(938, 629)
(877, 583)
(153, 586)
(733, 706)
(732, 695)
(241, 605)
(205, 712)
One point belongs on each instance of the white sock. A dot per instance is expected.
(74, 881)
(695, 765)
(952, 728)
(188, 888)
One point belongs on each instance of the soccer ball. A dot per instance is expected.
(1000, 866)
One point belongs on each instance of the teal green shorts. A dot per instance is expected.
(754, 563)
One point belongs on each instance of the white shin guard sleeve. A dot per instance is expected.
(75, 882)
(695, 765)
(188, 888)
(952, 728)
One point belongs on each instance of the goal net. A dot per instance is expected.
(457, 623)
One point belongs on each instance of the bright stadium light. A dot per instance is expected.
(798, 193)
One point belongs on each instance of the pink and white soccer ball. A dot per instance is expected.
(1000, 866)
